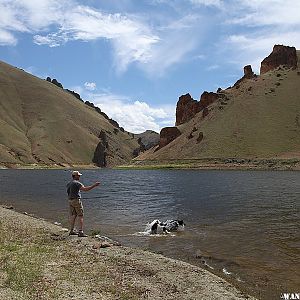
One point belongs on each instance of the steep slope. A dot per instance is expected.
(259, 117)
(42, 123)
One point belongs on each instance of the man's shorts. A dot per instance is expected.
(76, 208)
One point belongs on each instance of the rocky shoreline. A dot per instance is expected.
(268, 164)
(40, 261)
(290, 164)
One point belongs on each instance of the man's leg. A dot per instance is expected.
(79, 211)
(73, 216)
(80, 223)
(72, 222)
(80, 233)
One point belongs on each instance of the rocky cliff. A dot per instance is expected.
(280, 56)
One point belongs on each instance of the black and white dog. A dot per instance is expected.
(157, 226)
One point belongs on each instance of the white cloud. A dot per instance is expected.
(178, 39)
(200, 57)
(132, 40)
(6, 38)
(90, 86)
(267, 12)
(31, 15)
(52, 39)
(134, 116)
(53, 23)
(212, 67)
(217, 3)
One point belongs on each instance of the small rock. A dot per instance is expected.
(199, 254)
(57, 237)
(96, 245)
(105, 245)
(200, 137)
(8, 206)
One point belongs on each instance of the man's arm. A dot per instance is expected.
(90, 187)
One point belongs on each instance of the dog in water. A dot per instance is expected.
(168, 226)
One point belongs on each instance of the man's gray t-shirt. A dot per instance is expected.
(73, 189)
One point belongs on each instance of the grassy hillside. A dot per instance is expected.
(42, 123)
(259, 119)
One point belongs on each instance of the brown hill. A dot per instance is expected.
(43, 124)
(259, 117)
(149, 138)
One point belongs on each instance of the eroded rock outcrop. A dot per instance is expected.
(281, 55)
(248, 73)
(207, 98)
(187, 107)
(167, 135)
(101, 150)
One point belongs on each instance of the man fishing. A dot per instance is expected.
(74, 188)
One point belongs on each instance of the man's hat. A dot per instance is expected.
(76, 173)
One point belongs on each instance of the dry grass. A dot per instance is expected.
(41, 123)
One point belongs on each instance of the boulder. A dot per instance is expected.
(280, 56)
(57, 83)
(167, 135)
(76, 95)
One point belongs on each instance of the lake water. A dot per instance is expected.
(246, 223)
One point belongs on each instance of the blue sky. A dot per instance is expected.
(134, 58)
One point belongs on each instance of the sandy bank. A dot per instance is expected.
(40, 261)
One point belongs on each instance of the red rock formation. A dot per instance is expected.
(186, 109)
(207, 98)
(167, 135)
(281, 55)
(248, 73)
